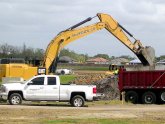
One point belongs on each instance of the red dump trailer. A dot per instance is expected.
(146, 87)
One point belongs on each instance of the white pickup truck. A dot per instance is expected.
(47, 88)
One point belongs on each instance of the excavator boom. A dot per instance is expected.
(64, 38)
(145, 54)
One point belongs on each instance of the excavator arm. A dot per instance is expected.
(145, 54)
(73, 33)
(65, 38)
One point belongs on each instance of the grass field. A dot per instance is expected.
(91, 68)
(66, 78)
(102, 121)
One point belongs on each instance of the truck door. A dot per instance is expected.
(34, 90)
(52, 89)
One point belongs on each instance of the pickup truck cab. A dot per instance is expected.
(47, 88)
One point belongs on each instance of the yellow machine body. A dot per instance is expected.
(17, 70)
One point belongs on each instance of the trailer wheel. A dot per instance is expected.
(162, 96)
(131, 96)
(149, 98)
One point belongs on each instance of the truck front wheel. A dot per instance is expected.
(131, 96)
(77, 101)
(15, 99)
(149, 98)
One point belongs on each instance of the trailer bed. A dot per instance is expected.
(141, 79)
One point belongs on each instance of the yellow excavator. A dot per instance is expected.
(145, 54)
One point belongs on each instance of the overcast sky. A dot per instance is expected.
(36, 22)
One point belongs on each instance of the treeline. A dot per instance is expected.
(73, 55)
(9, 51)
(28, 53)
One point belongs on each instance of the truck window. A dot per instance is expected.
(38, 81)
(51, 81)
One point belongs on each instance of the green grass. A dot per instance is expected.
(64, 79)
(103, 121)
(95, 68)
(91, 68)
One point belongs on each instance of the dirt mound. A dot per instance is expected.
(108, 85)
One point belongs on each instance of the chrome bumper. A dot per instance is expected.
(3, 96)
(98, 96)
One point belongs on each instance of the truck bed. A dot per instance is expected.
(141, 79)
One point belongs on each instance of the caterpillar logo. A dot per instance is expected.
(84, 32)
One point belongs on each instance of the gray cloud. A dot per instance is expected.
(36, 22)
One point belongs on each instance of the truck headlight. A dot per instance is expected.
(3, 88)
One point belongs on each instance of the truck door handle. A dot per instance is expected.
(41, 87)
(33, 89)
(54, 87)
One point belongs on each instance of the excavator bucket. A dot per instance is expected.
(146, 56)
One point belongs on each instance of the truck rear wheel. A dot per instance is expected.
(15, 99)
(77, 101)
(131, 96)
(162, 96)
(149, 98)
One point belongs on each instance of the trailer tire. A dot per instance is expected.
(131, 96)
(162, 96)
(77, 101)
(15, 99)
(149, 98)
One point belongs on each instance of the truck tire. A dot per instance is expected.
(131, 96)
(62, 72)
(149, 98)
(15, 99)
(162, 96)
(77, 101)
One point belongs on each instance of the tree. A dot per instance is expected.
(160, 58)
(9, 51)
(6, 50)
(127, 57)
(105, 56)
(79, 57)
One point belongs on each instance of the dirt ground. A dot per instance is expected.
(37, 113)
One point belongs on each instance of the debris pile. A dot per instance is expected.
(108, 85)
(89, 78)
